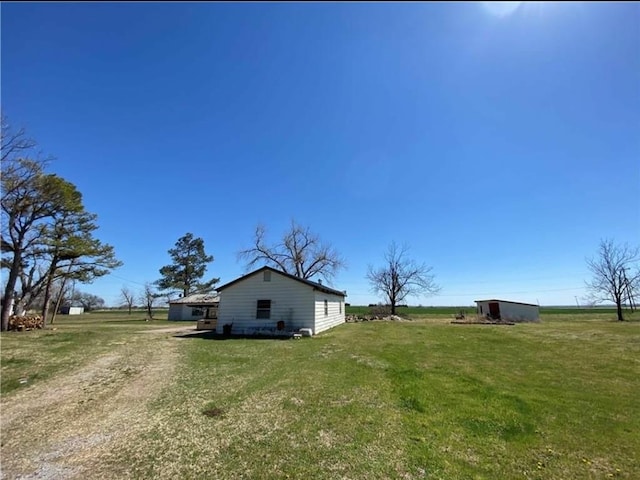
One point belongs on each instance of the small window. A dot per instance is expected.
(326, 307)
(264, 309)
(340, 307)
(267, 275)
(197, 312)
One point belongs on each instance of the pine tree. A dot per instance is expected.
(188, 268)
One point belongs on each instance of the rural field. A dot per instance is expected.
(107, 395)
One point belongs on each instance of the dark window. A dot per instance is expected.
(326, 308)
(197, 312)
(267, 276)
(264, 309)
(340, 307)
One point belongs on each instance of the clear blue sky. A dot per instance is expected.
(501, 146)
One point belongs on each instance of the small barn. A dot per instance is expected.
(69, 310)
(270, 301)
(194, 307)
(506, 310)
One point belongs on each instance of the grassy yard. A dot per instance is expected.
(414, 399)
(34, 356)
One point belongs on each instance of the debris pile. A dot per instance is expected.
(371, 318)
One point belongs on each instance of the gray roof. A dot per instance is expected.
(197, 299)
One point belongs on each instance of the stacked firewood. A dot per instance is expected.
(25, 322)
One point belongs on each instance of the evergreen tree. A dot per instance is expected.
(188, 268)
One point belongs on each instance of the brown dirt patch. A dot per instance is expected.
(182, 329)
(60, 429)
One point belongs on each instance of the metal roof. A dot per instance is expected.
(507, 301)
(197, 299)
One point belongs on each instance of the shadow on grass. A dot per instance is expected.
(130, 320)
(211, 335)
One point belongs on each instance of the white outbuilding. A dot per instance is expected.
(69, 310)
(506, 310)
(194, 307)
(269, 301)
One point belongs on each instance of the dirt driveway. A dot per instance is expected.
(64, 428)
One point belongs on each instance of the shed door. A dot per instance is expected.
(494, 310)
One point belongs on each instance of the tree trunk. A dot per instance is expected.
(9, 291)
(45, 308)
(59, 299)
(619, 306)
(64, 283)
(58, 302)
(129, 309)
(47, 295)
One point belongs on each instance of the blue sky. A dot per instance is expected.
(500, 146)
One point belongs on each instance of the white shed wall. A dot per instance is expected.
(516, 312)
(291, 301)
(184, 312)
(335, 316)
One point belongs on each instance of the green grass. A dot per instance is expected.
(579, 311)
(419, 399)
(33, 356)
(403, 400)
(413, 311)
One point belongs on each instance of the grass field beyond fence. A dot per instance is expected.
(410, 399)
(471, 310)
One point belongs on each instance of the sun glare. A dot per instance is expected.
(501, 9)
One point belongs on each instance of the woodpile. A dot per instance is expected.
(25, 322)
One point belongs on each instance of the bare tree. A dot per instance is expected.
(45, 233)
(29, 199)
(13, 142)
(148, 298)
(300, 253)
(616, 275)
(127, 297)
(17, 175)
(89, 301)
(401, 277)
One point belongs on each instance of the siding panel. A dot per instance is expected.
(335, 314)
(184, 312)
(519, 313)
(514, 312)
(291, 302)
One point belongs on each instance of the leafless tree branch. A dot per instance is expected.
(300, 252)
(127, 297)
(616, 275)
(401, 277)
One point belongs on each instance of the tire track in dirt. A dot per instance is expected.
(60, 428)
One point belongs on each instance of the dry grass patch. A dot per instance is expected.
(61, 428)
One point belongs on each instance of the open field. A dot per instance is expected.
(112, 396)
(470, 310)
